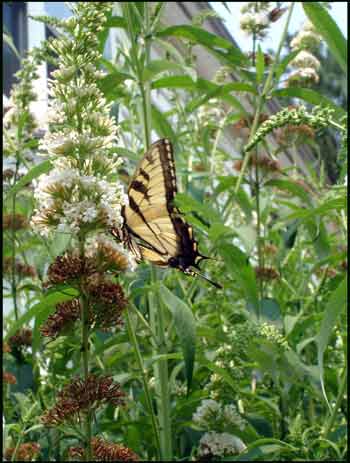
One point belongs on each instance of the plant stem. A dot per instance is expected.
(13, 246)
(84, 303)
(342, 387)
(161, 381)
(263, 96)
(132, 336)
(258, 232)
(155, 311)
(18, 443)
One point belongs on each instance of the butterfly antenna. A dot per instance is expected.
(217, 285)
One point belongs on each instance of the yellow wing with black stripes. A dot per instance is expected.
(154, 229)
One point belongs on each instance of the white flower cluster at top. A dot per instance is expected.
(306, 65)
(220, 444)
(80, 194)
(255, 18)
(18, 121)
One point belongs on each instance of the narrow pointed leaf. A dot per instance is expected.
(185, 326)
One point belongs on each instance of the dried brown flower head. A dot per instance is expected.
(108, 257)
(264, 162)
(66, 314)
(266, 273)
(22, 338)
(199, 167)
(21, 270)
(294, 134)
(270, 249)
(8, 174)
(6, 348)
(105, 451)
(303, 185)
(25, 271)
(9, 378)
(344, 266)
(69, 267)
(14, 222)
(331, 272)
(242, 127)
(267, 58)
(25, 452)
(107, 301)
(79, 396)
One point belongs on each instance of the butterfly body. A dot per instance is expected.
(154, 229)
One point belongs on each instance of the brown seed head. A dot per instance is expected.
(25, 452)
(14, 222)
(266, 273)
(105, 451)
(66, 314)
(22, 338)
(9, 378)
(80, 395)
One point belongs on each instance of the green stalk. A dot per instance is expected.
(161, 375)
(263, 96)
(13, 238)
(18, 443)
(156, 315)
(132, 336)
(258, 230)
(84, 303)
(342, 387)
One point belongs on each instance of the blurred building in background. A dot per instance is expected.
(27, 33)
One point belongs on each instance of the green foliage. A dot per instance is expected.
(271, 345)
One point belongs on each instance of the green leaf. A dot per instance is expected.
(225, 375)
(291, 187)
(328, 28)
(261, 448)
(260, 65)
(157, 66)
(116, 21)
(329, 206)
(217, 45)
(210, 89)
(308, 95)
(238, 264)
(162, 126)
(35, 172)
(335, 305)
(185, 326)
(6, 37)
(110, 84)
(46, 305)
(187, 204)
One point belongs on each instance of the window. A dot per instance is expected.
(15, 24)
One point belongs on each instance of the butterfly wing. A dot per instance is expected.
(154, 228)
(149, 215)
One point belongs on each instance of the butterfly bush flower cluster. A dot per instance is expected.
(256, 17)
(80, 193)
(19, 122)
(216, 418)
(213, 415)
(306, 65)
(213, 444)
